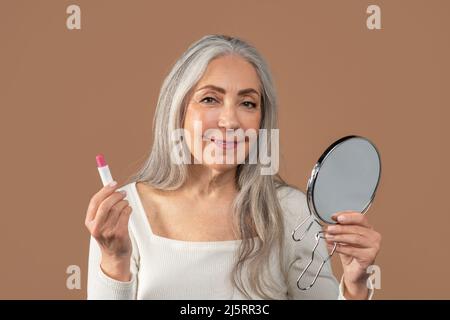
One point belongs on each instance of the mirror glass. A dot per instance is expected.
(345, 178)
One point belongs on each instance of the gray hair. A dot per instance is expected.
(256, 206)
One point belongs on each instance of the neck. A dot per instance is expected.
(205, 182)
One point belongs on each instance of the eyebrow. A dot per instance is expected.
(222, 90)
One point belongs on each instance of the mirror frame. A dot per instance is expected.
(316, 170)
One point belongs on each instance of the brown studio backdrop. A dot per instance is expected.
(68, 95)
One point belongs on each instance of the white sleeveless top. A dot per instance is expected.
(164, 268)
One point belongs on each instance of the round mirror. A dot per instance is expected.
(345, 178)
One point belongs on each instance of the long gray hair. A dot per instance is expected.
(256, 206)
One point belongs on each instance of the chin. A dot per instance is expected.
(221, 167)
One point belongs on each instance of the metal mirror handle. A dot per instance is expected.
(317, 236)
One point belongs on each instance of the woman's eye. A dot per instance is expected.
(249, 104)
(208, 100)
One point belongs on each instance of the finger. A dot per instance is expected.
(330, 246)
(357, 253)
(350, 239)
(115, 212)
(122, 221)
(368, 233)
(349, 229)
(97, 198)
(351, 218)
(106, 205)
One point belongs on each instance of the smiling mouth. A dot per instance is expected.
(227, 144)
(223, 141)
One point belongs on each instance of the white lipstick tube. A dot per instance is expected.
(103, 170)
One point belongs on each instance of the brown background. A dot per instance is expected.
(67, 95)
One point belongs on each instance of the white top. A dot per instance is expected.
(164, 268)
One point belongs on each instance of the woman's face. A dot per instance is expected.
(226, 98)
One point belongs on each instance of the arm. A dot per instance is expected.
(102, 286)
(345, 295)
(357, 246)
(113, 253)
(298, 255)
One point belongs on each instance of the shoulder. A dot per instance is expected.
(294, 204)
(138, 189)
(289, 195)
(127, 187)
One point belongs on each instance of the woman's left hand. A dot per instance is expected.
(358, 245)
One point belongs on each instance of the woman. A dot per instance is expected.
(212, 230)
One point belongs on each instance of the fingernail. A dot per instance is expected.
(341, 218)
(334, 217)
(123, 192)
(112, 184)
(331, 228)
(329, 236)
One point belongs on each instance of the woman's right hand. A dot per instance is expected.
(107, 219)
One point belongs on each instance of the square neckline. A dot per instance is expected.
(161, 239)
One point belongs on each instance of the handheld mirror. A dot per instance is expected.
(345, 178)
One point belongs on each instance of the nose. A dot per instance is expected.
(228, 118)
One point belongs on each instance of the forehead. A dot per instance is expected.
(230, 72)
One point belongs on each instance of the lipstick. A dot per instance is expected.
(103, 170)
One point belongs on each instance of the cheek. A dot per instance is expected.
(191, 116)
(207, 117)
(195, 117)
(250, 120)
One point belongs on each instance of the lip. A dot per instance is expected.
(224, 143)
